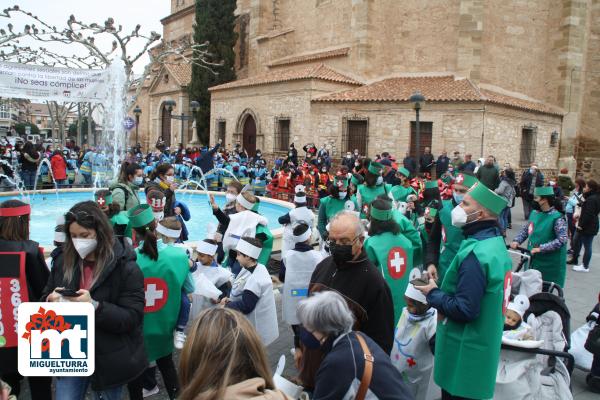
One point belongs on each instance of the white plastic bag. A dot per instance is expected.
(583, 358)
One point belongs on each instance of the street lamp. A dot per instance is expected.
(194, 107)
(416, 99)
(137, 111)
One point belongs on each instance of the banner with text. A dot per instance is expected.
(40, 83)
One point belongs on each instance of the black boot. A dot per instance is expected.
(572, 261)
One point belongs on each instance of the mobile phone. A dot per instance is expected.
(68, 292)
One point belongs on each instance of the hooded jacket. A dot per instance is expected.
(119, 290)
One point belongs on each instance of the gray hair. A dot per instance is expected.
(353, 218)
(326, 312)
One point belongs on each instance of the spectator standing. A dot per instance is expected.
(488, 174)
(442, 164)
(348, 161)
(59, 168)
(468, 165)
(29, 160)
(530, 179)
(586, 226)
(574, 201)
(506, 189)
(457, 161)
(292, 155)
(565, 182)
(426, 161)
(410, 164)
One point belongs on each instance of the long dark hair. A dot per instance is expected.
(88, 215)
(14, 228)
(379, 227)
(555, 202)
(160, 169)
(147, 233)
(128, 169)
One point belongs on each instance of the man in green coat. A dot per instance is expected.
(472, 300)
(444, 238)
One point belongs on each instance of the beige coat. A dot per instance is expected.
(253, 389)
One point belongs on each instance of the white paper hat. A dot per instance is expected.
(59, 230)
(415, 294)
(303, 237)
(206, 248)
(248, 249)
(519, 305)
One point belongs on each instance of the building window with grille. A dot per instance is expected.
(221, 131)
(355, 135)
(4, 112)
(282, 134)
(528, 145)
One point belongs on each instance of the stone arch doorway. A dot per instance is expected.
(248, 128)
(165, 125)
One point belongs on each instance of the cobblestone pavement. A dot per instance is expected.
(581, 293)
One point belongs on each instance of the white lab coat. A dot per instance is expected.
(299, 267)
(297, 215)
(241, 224)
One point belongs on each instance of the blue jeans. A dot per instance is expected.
(74, 388)
(579, 240)
(503, 218)
(184, 312)
(87, 179)
(28, 178)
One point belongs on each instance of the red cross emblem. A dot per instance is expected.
(460, 179)
(507, 289)
(411, 362)
(156, 293)
(530, 228)
(427, 211)
(101, 201)
(443, 234)
(397, 262)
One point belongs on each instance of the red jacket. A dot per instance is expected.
(59, 167)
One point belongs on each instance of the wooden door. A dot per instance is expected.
(249, 136)
(425, 138)
(357, 136)
(165, 130)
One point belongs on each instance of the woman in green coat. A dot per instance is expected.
(372, 187)
(339, 199)
(125, 190)
(547, 234)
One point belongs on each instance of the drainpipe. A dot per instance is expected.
(482, 131)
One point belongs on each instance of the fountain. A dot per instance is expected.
(46, 162)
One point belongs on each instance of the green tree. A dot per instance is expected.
(84, 129)
(215, 22)
(21, 128)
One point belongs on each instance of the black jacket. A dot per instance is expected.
(205, 161)
(426, 162)
(120, 354)
(345, 363)
(525, 183)
(369, 294)
(441, 165)
(36, 275)
(410, 164)
(588, 220)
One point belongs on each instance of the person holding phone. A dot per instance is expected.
(96, 268)
(25, 278)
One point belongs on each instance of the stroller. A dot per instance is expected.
(538, 369)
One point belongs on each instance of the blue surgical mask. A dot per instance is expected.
(458, 198)
(138, 180)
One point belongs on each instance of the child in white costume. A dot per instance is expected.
(252, 291)
(514, 326)
(411, 353)
(299, 214)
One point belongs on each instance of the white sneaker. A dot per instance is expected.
(179, 340)
(151, 392)
(293, 351)
(580, 268)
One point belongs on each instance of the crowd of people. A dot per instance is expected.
(394, 273)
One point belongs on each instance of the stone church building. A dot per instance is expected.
(519, 79)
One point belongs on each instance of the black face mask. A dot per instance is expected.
(342, 253)
(536, 206)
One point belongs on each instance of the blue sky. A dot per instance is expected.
(128, 13)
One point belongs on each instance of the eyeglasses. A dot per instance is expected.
(332, 243)
(79, 216)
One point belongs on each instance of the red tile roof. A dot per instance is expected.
(321, 55)
(435, 89)
(320, 72)
(181, 72)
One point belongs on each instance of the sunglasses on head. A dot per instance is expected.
(79, 216)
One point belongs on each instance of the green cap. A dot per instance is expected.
(431, 185)
(487, 198)
(465, 180)
(341, 182)
(375, 168)
(404, 171)
(142, 218)
(381, 215)
(355, 179)
(543, 191)
(107, 199)
(120, 219)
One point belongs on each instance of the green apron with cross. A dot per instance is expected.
(451, 239)
(553, 264)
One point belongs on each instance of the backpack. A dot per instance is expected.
(125, 192)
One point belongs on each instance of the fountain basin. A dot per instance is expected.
(47, 205)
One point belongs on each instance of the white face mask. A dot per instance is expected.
(343, 195)
(460, 217)
(379, 180)
(230, 197)
(84, 246)
(138, 180)
(170, 178)
(158, 215)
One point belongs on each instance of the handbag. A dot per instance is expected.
(368, 370)
(592, 344)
